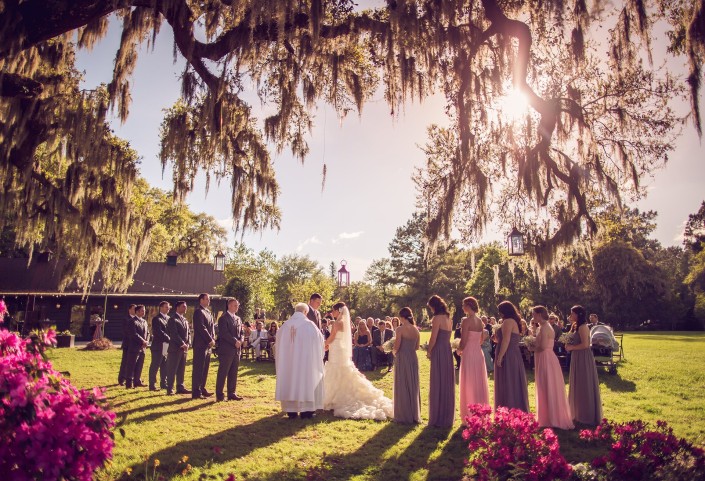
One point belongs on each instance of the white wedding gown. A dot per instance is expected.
(347, 391)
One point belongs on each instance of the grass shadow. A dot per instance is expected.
(417, 454)
(616, 383)
(448, 464)
(232, 443)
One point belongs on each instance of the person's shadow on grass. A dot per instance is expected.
(228, 444)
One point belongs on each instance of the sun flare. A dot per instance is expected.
(513, 106)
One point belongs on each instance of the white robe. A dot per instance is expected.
(299, 365)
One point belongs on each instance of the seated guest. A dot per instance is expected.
(326, 334)
(457, 335)
(257, 338)
(362, 354)
(379, 337)
(395, 323)
(272, 336)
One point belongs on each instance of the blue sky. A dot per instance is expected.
(369, 158)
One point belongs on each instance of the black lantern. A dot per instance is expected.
(219, 264)
(515, 243)
(343, 274)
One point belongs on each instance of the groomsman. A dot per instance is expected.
(179, 339)
(125, 342)
(203, 342)
(230, 338)
(160, 344)
(139, 337)
(313, 304)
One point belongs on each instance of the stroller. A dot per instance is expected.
(605, 347)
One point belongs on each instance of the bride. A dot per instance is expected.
(347, 391)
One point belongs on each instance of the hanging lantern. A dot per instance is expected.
(343, 274)
(219, 264)
(515, 243)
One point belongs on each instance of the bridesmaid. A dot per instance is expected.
(407, 394)
(584, 392)
(510, 387)
(474, 388)
(552, 408)
(441, 397)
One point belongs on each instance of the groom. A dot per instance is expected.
(299, 365)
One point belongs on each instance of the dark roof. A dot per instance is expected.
(150, 278)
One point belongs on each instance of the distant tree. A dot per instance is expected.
(694, 234)
(259, 271)
(292, 270)
(631, 288)
(240, 290)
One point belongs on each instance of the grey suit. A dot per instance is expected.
(314, 316)
(159, 339)
(125, 343)
(203, 335)
(138, 336)
(229, 333)
(179, 335)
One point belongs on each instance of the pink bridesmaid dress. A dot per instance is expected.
(474, 388)
(552, 409)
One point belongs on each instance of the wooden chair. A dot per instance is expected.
(619, 354)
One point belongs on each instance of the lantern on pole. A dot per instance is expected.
(515, 243)
(343, 274)
(219, 264)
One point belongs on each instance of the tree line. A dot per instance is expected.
(622, 274)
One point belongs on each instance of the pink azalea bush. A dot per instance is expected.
(637, 451)
(49, 430)
(512, 446)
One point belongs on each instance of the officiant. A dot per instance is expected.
(299, 365)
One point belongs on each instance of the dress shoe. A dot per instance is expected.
(183, 391)
(153, 388)
(205, 393)
(169, 393)
(389, 369)
(234, 397)
(220, 398)
(292, 415)
(140, 384)
(121, 382)
(197, 396)
(308, 415)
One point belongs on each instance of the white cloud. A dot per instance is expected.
(226, 223)
(310, 240)
(347, 235)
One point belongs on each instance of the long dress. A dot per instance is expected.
(584, 394)
(474, 388)
(348, 392)
(407, 394)
(441, 396)
(552, 408)
(362, 356)
(510, 387)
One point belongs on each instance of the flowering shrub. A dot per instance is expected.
(512, 446)
(48, 429)
(638, 452)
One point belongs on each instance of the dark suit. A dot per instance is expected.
(138, 336)
(380, 358)
(159, 339)
(314, 316)
(229, 333)
(179, 335)
(203, 335)
(125, 343)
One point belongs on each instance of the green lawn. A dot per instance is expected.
(663, 377)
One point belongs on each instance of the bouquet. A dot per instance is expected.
(424, 347)
(388, 346)
(455, 344)
(567, 338)
(529, 342)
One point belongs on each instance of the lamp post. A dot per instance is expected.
(343, 274)
(515, 243)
